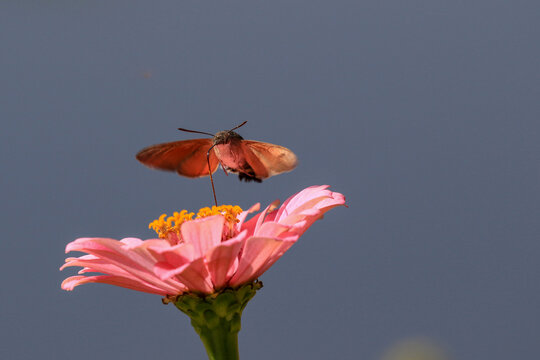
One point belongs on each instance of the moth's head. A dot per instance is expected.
(225, 137)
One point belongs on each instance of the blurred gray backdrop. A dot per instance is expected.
(425, 114)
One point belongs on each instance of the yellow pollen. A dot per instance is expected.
(165, 225)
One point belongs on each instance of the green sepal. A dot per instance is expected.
(217, 317)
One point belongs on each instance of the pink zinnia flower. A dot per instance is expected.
(218, 249)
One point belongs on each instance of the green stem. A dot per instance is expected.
(220, 344)
(217, 318)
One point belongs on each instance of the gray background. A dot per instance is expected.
(425, 114)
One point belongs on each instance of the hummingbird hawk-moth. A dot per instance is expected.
(251, 160)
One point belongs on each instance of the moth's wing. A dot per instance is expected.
(187, 157)
(196, 165)
(268, 159)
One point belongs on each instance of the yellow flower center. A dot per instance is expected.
(167, 227)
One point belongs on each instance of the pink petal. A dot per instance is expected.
(313, 197)
(91, 264)
(309, 205)
(222, 260)
(243, 215)
(176, 255)
(203, 233)
(286, 245)
(136, 261)
(298, 199)
(71, 282)
(193, 275)
(95, 265)
(256, 253)
(272, 229)
(131, 243)
(256, 221)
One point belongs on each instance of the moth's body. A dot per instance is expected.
(251, 160)
(229, 150)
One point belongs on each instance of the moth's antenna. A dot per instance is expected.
(234, 128)
(210, 173)
(197, 132)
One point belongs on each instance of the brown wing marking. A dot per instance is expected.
(268, 159)
(187, 157)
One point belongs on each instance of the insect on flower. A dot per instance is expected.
(251, 160)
